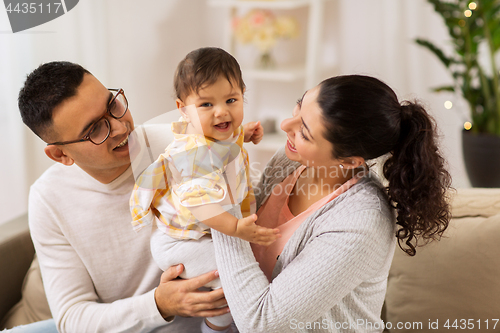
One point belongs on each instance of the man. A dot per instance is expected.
(98, 273)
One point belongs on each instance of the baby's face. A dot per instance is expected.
(219, 108)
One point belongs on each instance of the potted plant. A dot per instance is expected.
(474, 29)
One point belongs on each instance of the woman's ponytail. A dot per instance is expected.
(363, 117)
(418, 180)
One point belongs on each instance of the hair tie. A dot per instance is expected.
(406, 111)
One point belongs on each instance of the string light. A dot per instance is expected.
(472, 5)
(468, 13)
(448, 105)
(467, 125)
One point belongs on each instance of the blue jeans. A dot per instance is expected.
(45, 326)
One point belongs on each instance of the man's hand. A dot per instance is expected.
(253, 233)
(253, 132)
(175, 297)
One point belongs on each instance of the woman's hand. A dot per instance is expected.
(253, 132)
(176, 297)
(246, 229)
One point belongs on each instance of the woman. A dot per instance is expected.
(338, 223)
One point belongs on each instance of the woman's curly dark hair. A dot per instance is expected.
(364, 118)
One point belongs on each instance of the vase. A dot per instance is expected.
(266, 61)
(482, 158)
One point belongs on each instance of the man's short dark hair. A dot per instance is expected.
(44, 89)
(203, 67)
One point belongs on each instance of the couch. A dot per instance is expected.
(22, 299)
(453, 284)
(16, 254)
(449, 285)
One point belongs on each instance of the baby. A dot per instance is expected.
(202, 180)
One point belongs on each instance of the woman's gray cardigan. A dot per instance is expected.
(331, 275)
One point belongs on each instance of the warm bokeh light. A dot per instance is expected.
(448, 104)
(472, 5)
(468, 13)
(461, 23)
(467, 125)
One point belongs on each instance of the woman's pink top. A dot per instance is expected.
(275, 213)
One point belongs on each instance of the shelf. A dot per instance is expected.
(269, 4)
(270, 142)
(306, 71)
(283, 74)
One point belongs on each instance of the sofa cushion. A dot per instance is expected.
(16, 254)
(453, 279)
(476, 202)
(33, 306)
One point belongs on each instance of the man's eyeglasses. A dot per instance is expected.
(100, 130)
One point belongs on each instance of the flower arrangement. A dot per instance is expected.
(262, 29)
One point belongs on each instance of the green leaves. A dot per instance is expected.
(470, 25)
(444, 88)
(436, 50)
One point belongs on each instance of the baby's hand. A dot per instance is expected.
(253, 233)
(253, 132)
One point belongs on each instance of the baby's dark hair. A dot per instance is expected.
(44, 89)
(363, 117)
(203, 67)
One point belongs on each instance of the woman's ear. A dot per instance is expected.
(182, 109)
(55, 153)
(353, 162)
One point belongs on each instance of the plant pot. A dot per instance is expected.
(482, 158)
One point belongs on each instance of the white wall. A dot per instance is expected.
(137, 45)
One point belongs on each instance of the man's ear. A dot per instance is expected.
(182, 109)
(55, 153)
